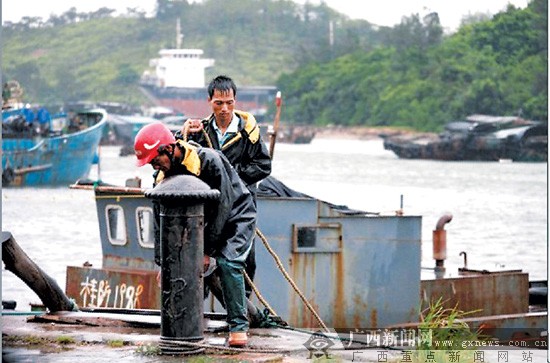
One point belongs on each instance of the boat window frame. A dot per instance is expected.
(116, 241)
(328, 237)
(141, 242)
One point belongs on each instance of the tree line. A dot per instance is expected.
(331, 69)
(496, 67)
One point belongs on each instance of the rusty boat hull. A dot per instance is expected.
(359, 270)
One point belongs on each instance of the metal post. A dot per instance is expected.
(181, 201)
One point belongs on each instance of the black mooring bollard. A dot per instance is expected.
(181, 201)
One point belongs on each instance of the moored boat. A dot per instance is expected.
(176, 80)
(39, 150)
(289, 134)
(125, 128)
(478, 138)
(359, 270)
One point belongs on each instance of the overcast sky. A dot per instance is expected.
(380, 12)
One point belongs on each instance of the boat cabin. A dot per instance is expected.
(357, 269)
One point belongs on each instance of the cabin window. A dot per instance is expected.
(116, 225)
(145, 223)
(317, 238)
(306, 237)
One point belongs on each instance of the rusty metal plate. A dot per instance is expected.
(111, 288)
(481, 294)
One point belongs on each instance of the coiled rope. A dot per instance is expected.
(180, 346)
(190, 348)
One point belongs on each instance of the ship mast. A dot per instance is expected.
(179, 36)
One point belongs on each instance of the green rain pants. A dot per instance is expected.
(232, 283)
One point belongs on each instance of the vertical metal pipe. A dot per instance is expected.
(440, 242)
(181, 245)
(439, 247)
(400, 211)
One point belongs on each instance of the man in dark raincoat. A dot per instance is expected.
(237, 135)
(229, 222)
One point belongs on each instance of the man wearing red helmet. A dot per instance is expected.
(229, 222)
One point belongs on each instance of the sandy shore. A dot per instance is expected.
(358, 132)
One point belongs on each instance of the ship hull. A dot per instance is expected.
(193, 101)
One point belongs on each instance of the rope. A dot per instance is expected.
(180, 345)
(172, 343)
(205, 134)
(185, 131)
(258, 294)
(289, 279)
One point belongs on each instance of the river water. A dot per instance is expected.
(499, 209)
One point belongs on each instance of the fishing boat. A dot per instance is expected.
(176, 80)
(39, 149)
(124, 128)
(288, 134)
(358, 269)
(478, 138)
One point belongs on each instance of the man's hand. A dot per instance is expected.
(192, 125)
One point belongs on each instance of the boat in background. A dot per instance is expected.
(478, 138)
(39, 149)
(288, 134)
(177, 81)
(124, 128)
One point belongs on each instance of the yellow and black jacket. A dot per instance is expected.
(230, 221)
(245, 151)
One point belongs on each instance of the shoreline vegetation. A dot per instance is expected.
(413, 74)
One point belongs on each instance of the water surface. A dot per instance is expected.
(499, 209)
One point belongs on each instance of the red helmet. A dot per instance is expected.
(148, 140)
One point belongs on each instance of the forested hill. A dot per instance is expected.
(421, 80)
(411, 75)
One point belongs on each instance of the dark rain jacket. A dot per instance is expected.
(230, 221)
(245, 151)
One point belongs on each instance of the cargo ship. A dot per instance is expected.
(176, 80)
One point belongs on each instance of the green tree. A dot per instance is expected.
(126, 75)
(410, 75)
